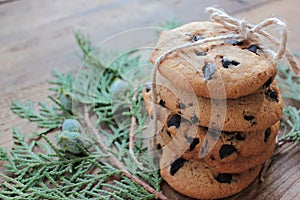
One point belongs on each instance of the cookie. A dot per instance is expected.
(219, 145)
(254, 112)
(196, 180)
(220, 69)
(240, 164)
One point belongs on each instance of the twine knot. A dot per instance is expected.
(246, 31)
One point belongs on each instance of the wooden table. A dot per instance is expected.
(37, 36)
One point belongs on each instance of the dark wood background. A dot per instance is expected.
(37, 36)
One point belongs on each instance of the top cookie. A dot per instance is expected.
(221, 69)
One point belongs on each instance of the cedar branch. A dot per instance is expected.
(112, 159)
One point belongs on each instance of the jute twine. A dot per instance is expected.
(241, 30)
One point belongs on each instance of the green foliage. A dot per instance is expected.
(39, 170)
(291, 124)
(62, 80)
(170, 24)
(288, 83)
(53, 176)
(48, 118)
(95, 80)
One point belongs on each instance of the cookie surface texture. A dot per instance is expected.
(221, 69)
(195, 179)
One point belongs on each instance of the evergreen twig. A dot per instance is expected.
(115, 162)
(288, 82)
(291, 126)
(108, 172)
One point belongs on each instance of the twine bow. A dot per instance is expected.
(246, 30)
(241, 30)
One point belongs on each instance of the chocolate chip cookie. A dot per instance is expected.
(187, 140)
(220, 69)
(196, 180)
(254, 112)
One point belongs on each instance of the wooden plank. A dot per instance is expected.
(36, 39)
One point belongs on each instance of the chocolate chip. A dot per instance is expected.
(196, 38)
(182, 105)
(267, 135)
(239, 137)
(162, 103)
(234, 42)
(228, 133)
(194, 118)
(272, 94)
(226, 63)
(253, 48)
(208, 70)
(174, 121)
(148, 88)
(226, 150)
(235, 63)
(190, 104)
(268, 82)
(159, 147)
(249, 117)
(194, 143)
(201, 53)
(176, 165)
(224, 178)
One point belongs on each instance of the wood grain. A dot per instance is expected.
(6, 1)
(37, 36)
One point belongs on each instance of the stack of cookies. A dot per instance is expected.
(218, 111)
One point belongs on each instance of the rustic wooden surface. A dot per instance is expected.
(37, 36)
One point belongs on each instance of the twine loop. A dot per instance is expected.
(247, 30)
